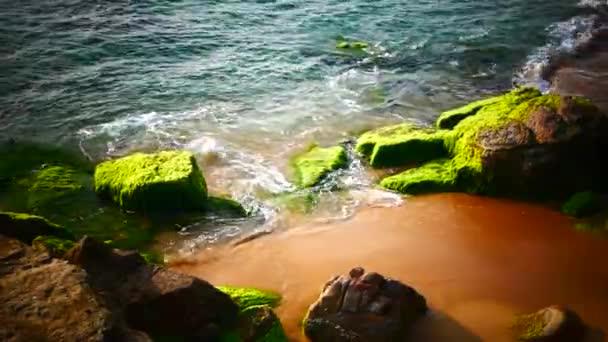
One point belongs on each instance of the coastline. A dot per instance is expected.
(478, 261)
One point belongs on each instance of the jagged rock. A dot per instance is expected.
(27, 227)
(363, 306)
(551, 324)
(154, 299)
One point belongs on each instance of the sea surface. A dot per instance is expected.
(246, 84)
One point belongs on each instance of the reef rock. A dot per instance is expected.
(27, 227)
(313, 165)
(519, 144)
(551, 324)
(363, 306)
(162, 181)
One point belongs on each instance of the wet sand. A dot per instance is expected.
(478, 261)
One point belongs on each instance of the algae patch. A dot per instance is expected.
(314, 165)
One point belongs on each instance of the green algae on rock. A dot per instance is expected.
(450, 118)
(302, 201)
(312, 166)
(56, 247)
(351, 45)
(26, 227)
(521, 143)
(581, 204)
(401, 144)
(257, 321)
(167, 180)
(225, 206)
(53, 182)
(529, 326)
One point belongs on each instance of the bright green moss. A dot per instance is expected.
(581, 204)
(529, 326)
(167, 180)
(27, 227)
(465, 171)
(250, 301)
(449, 119)
(247, 297)
(351, 45)
(312, 166)
(56, 246)
(53, 182)
(153, 258)
(434, 176)
(401, 144)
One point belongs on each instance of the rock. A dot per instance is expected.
(53, 182)
(351, 45)
(155, 300)
(225, 206)
(313, 165)
(518, 144)
(49, 299)
(581, 204)
(168, 180)
(363, 306)
(257, 320)
(54, 246)
(27, 227)
(552, 324)
(401, 145)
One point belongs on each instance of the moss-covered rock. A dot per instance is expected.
(450, 118)
(55, 246)
(434, 176)
(313, 165)
(53, 182)
(351, 45)
(303, 201)
(581, 204)
(522, 143)
(257, 321)
(529, 326)
(401, 144)
(27, 227)
(168, 180)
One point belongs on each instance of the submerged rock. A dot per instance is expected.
(552, 324)
(53, 182)
(521, 143)
(313, 165)
(363, 306)
(168, 180)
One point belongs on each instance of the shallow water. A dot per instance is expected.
(246, 84)
(478, 261)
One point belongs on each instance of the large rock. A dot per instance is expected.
(155, 300)
(100, 294)
(363, 307)
(316, 163)
(49, 299)
(551, 324)
(166, 180)
(521, 143)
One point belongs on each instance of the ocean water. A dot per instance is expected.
(246, 84)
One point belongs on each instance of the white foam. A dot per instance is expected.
(564, 38)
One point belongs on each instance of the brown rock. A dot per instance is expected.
(363, 307)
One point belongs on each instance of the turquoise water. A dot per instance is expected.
(245, 84)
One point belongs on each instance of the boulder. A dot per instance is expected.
(160, 302)
(551, 324)
(53, 182)
(49, 299)
(401, 145)
(363, 306)
(167, 180)
(27, 227)
(519, 144)
(316, 163)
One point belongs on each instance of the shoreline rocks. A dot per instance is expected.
(552, 324)
(312, 166)
(521, 143)
(363, 306)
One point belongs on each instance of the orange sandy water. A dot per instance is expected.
(478, 261)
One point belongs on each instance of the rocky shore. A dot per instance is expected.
(71, 281)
